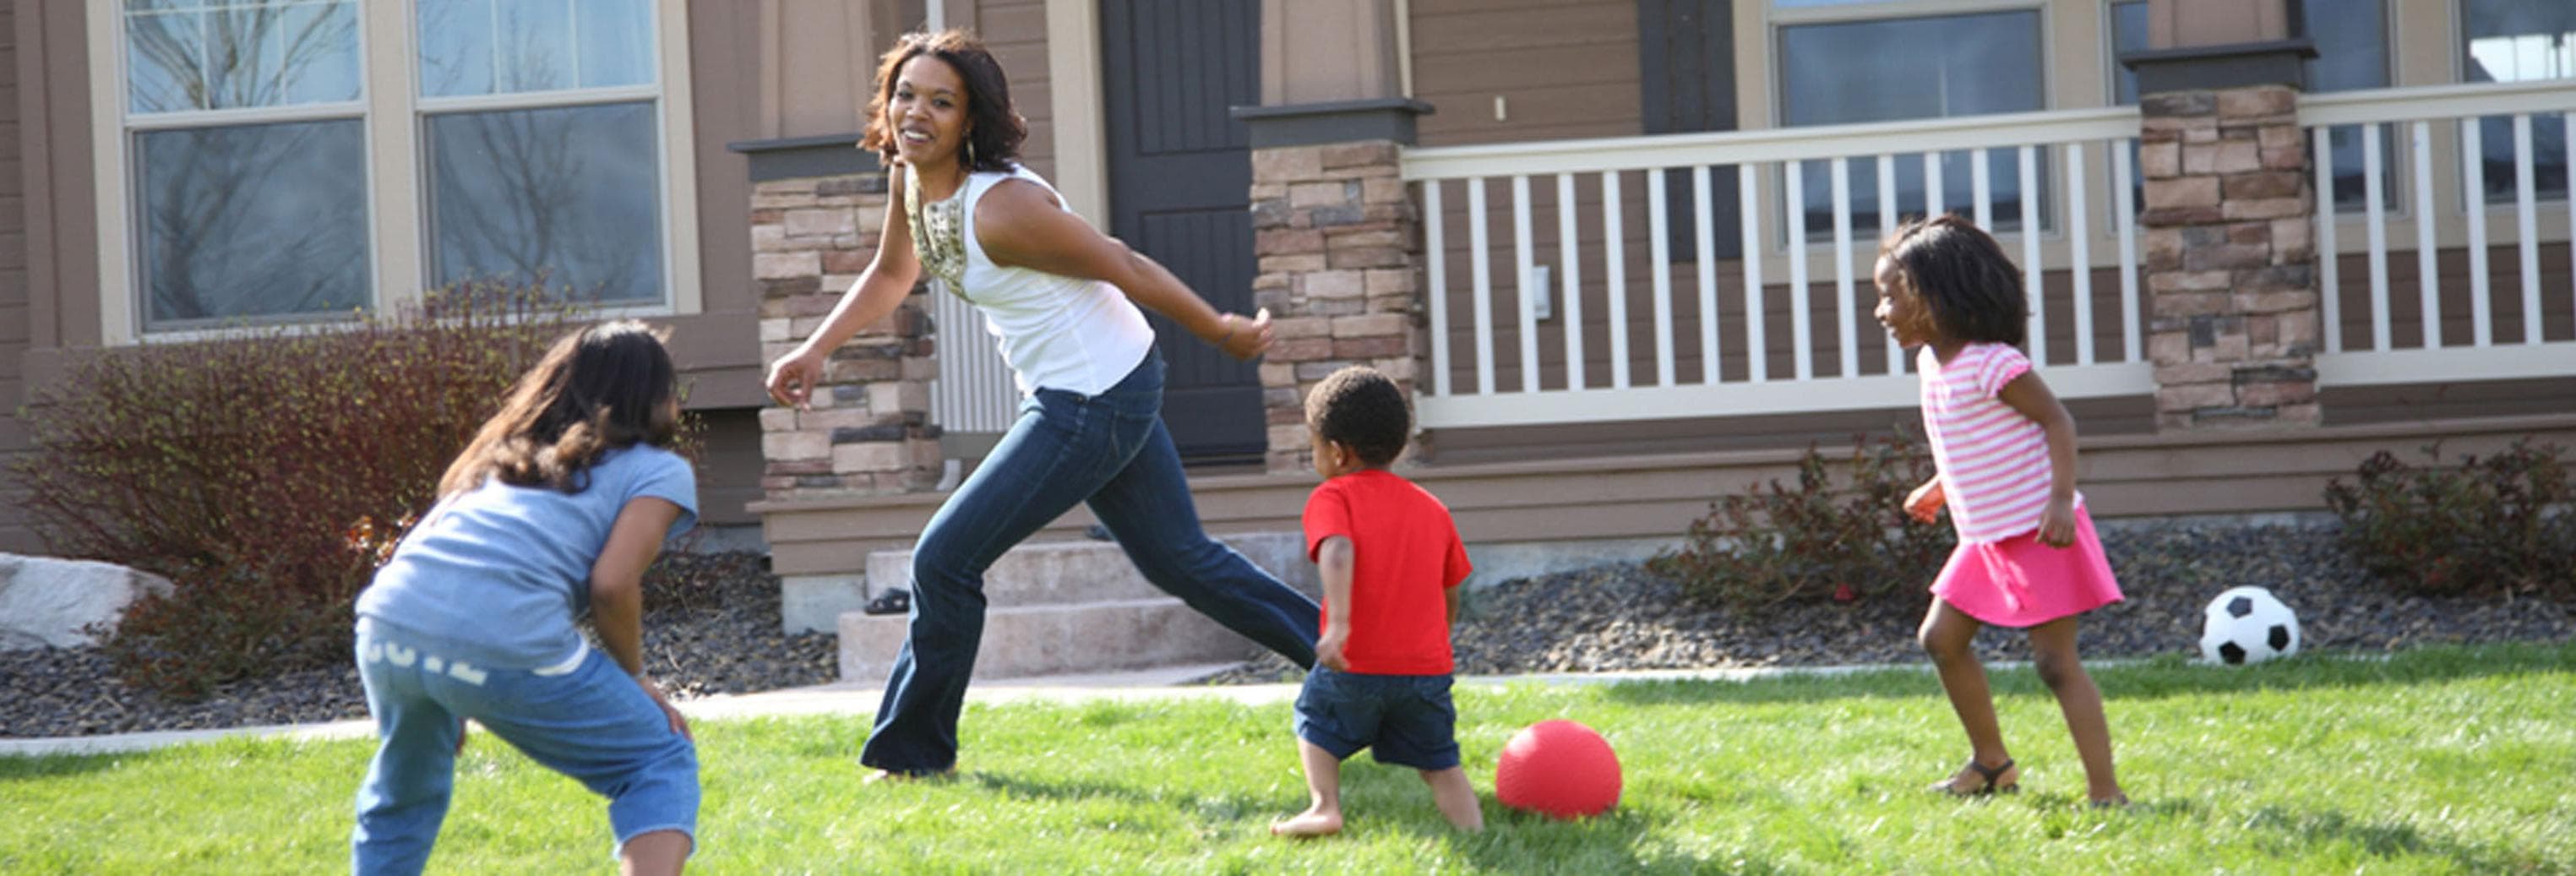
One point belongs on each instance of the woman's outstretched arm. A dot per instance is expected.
(1020, 225)
(879, 290)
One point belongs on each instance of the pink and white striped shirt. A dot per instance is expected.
(1993, 461)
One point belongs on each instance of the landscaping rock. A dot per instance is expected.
(46, 602)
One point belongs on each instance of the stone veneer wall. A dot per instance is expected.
(2230, 259)
(1339, 246)
(869, 431)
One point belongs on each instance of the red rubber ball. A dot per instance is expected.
(1558, 768)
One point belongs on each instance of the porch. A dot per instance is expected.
(1604, 335)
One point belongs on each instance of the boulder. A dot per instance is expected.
(46, 602)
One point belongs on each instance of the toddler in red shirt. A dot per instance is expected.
(1391, 563)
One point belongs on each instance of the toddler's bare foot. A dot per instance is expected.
(1310, 823)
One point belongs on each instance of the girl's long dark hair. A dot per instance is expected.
(993, 130)
(602, 388)
(1961, 273)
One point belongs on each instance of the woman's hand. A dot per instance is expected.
(2057, 522)
(1246, 338)
(679, 722)
(793, 377)
(1924, 504)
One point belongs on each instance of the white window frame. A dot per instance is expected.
(393, 115)
(1777, 18)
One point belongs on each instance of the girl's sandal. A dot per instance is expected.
(1991, 775)
(2116, 801)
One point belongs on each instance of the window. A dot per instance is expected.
(249, 160)
(2519, 41)
(2351, 38)
(268, 160)
(1912, 68)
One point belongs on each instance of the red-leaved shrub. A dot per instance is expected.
(248, 470)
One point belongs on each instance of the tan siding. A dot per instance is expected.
(1015, 31)
(15, 314)
(1564, 69)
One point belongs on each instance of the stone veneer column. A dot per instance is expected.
(1339, 244)
(816, 209)
(2234, 319)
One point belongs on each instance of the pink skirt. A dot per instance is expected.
(2020, 582)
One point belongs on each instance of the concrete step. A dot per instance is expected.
(1084, 572)
(1040, 640)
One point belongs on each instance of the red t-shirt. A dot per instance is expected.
(1405, 556)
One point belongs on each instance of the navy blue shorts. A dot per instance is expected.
(1407, 720)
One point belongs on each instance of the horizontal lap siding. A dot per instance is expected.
(15, 313)
(1566, 69)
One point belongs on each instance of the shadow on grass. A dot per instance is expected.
(2159, 677)
(2388, 839)
(29, 767)
(1075, 790)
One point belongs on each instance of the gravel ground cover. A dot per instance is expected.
(713, 628)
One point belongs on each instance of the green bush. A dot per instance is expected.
(2492, 526)
(1817, 541)
(247, 470)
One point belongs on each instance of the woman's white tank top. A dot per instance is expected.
(1056, 332)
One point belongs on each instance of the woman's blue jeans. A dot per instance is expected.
(1111, 452)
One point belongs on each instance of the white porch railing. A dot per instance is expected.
(2445, 127)
(974, 391)
(2080, 155)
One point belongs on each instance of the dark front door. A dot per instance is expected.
(1180, 175)
(1686, 63)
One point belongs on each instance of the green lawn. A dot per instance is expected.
(2434, 761)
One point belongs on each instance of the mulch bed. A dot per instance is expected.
(712, 627)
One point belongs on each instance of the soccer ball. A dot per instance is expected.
(2248, 625)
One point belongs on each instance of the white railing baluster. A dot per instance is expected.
(2079, 252)
(2473, 188)
(1802, 349)
(2567, 138)
(1525, 261)
(2428, 282)
(2124, 224)
(2526, 215)
(1981, 196)
(1886, 228)
(2032, 277)
(1436, 298)
(1749, 204)
(2375, 225)
(1616, 263)
(1481, 274)
(2329, 265)
(1659, 241)
(1703, 216)
(1932, 192)
(1846, 334)
(1569, 254)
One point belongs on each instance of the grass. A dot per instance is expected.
(2443, 760)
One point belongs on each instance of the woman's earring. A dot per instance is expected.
(970, 152)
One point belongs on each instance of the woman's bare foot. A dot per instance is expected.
(1310, 823)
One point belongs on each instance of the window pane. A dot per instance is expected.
(2520, 41)
(252, 221)
(455, 47)
(569, 194)
(247, 54)
(2128, 34)
(470, 47)
(1912, 68)
(163, 60)
(616, 42)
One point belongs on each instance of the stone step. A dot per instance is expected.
(1085, 572)
(1036, 640)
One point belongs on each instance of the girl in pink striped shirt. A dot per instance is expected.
(2005, 448)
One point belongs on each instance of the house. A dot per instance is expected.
(1619, 248)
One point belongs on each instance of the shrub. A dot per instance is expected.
(2492, 526)
(1817, 541)
(246, 469)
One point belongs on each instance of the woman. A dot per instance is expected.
(1063, 299)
